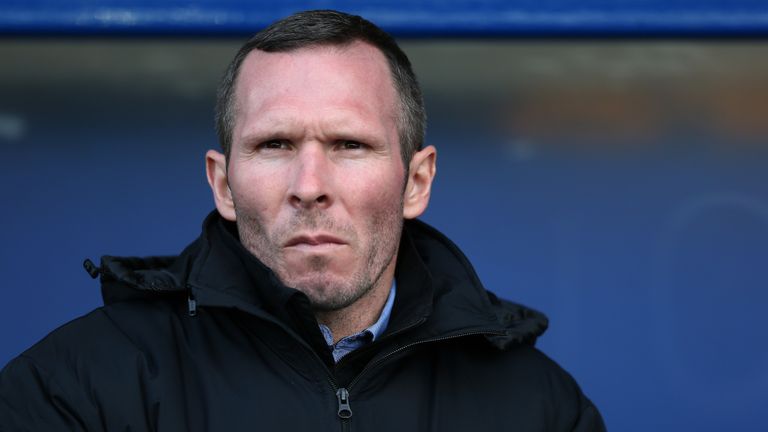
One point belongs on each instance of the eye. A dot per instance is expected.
(350, 145)
(274, 144)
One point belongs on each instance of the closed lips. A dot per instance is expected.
(315, 240)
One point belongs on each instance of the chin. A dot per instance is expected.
(328, 293)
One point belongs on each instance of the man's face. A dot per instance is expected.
(315, 171)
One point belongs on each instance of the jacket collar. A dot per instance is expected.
(439, 293)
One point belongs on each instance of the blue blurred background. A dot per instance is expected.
(604, 162)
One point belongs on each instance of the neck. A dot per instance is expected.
(361, 314)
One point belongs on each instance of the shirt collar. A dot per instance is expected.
(364, 337)
(378, 328)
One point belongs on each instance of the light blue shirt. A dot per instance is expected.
(358, 340)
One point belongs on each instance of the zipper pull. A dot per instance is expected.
(91, 268)
(191, 306)
(345, 411)
(191, 303)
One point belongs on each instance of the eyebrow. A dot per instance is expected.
(340, 127)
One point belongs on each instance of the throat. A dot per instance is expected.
(371, 312)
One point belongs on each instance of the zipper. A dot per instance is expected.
(344, 412)
(421, 342)
(342, 394)
(344, 409)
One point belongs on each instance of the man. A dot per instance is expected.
(313, 299)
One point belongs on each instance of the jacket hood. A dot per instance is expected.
(438, 292)
(463, 295)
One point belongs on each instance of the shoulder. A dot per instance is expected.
(521, 380)
(109, 334)
(522, 364)
(71, 374)
(550, 387)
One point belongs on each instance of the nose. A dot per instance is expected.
(311, 178)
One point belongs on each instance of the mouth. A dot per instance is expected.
(314, 242)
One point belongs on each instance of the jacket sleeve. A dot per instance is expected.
(33, 399)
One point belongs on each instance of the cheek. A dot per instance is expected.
(256, 193)
(378, 196)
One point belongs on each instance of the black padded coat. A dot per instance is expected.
(212, 341)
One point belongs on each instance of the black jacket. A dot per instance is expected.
(212, 341)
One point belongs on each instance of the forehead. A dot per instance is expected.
(355, 76)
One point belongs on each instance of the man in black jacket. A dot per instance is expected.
(313, 300)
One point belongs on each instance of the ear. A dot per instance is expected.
(216, 170)
(421, 172)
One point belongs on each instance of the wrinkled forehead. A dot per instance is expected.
(349, 67)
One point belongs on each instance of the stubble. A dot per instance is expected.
(376, 248)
